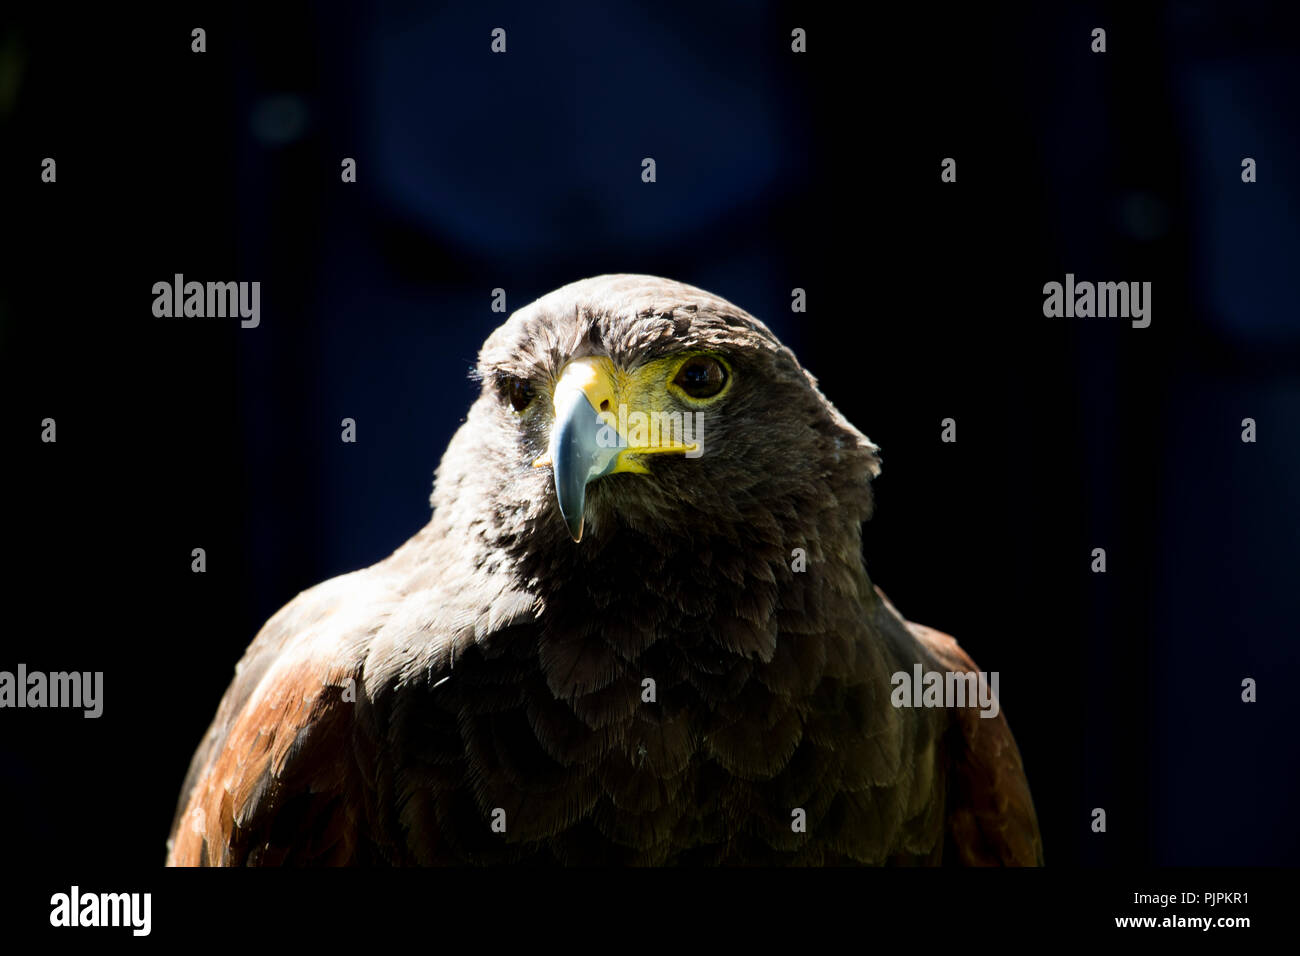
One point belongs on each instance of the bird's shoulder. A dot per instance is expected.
(278, 747)
(990, 814)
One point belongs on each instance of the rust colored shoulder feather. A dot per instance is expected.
(990, 813)
(275, 780)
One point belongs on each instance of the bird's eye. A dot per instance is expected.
(518, 390)
(701, 377)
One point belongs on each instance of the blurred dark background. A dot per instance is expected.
(775, 171)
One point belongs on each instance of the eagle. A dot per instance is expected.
(637, 630)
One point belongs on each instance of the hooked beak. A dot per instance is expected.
(583, 448)
(589, 435)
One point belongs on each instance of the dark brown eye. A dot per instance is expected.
(701, 377)
(519, 391)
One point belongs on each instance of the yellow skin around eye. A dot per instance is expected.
(618, 395)
(691, 399)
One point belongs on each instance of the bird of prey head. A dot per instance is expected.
(638, 402)
(637, 629)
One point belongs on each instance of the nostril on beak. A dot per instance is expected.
(604, 406)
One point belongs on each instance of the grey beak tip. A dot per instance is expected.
(577, 457)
